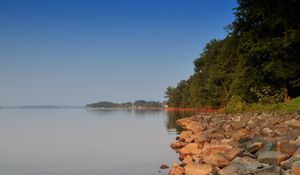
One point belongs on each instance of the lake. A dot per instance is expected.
(80, 141)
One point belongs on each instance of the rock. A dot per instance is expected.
(295, 170)
(163, 166)
(176, 170)
(184, 135)
(181, 156)
(286, 172)
(272, 157)
(177, 145)
(288, 148)
(260, 117)
(268, 146)
(236, 118)
(215, 143)
(241, 165)
(288, 163)
(253, 145)
(226, 141)
(216, 159)
(232, 154)
(208, 149)
(293, 123)
(272, 170)
(201, 139)
(191, 148)
(238, 125)
(189, 124)
(238, 134)
(296, 142)
(198, 169)
(188, 160)
(250, 124)
(227, 128)
(197, 159)
(268, 132)
(215, 154)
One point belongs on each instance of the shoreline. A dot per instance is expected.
(203, 110)
(238, 144)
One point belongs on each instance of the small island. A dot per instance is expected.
(139, 104)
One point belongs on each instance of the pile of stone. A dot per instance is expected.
(246, 144)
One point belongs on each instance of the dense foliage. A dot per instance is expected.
(258, 61)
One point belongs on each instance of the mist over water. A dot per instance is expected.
(76, 141)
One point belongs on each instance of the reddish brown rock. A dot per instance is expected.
(295, 170)
(164, 166)
(177, 145)
(216, 159)
(184, 135)
(188, 160)
(191, 148)
(288, 163)
(288, 148)
(201, 139)
(198, 169)
(232, 154)
(176, 170)
(238, 134)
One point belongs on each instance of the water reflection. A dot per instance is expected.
(171, 118)
(138, 113)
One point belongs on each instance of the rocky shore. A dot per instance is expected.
(245, 144)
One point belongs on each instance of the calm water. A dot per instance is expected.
(86, 142)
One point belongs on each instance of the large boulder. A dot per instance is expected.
(219, 155)
(216, 159)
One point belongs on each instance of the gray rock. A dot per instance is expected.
(272, 170)
(253, 145)
(272, 157)
(241, 165)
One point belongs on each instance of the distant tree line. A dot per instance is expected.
(258, 61)
(136, 104)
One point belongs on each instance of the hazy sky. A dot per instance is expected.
(71, 52)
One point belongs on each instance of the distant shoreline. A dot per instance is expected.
(39, 107)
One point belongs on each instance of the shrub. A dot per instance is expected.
(235, 104)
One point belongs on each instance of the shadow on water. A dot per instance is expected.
(172, 117)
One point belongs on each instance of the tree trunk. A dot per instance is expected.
(286, 96)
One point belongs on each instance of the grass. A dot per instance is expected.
(237, 106)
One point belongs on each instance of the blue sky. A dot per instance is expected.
(75, 52)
